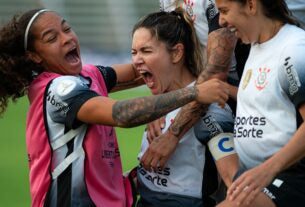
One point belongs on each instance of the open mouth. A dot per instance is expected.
(147, 77)
(145, 74)
(72, 56)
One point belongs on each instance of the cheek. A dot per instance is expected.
(154, 64)
(50, 54)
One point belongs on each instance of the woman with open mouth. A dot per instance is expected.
(73, 153)
(165, 51)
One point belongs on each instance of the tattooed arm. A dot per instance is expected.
(146, 109)
(220, 47)
(127, 77)
(134, 112)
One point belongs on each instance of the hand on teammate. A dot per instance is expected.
(247, 187)
(154, 129)
(212, 91)
(159, 151)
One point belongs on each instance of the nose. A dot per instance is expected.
(66, 37)
(137, 59)
(222, 21)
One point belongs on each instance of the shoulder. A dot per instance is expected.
(294, 48)
(217, 120)
(64, 85)
(291, 47)
(292, 35)
(291, 73)
(221, 118)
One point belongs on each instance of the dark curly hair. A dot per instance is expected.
(16, 69)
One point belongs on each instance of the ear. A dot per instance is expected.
(252, 6)
(177, 52)
(34, 57)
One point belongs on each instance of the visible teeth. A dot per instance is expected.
(232, 29)
(72, 49)
(144, 73)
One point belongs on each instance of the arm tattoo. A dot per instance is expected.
(220, 47)
(134, 112)
(187, 116)
(129, 84)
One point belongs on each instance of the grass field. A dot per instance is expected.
(14, 184)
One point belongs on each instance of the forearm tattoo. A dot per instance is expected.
(187, 116)
(134, 112)
(220, 47)
(129, 84)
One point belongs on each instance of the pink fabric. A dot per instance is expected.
(128, 192)
(39, 150)
(103, 169)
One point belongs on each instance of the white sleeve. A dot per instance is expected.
(292, 73)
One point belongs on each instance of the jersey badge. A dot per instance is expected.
(261, 81)
(65, 87)
(189, 4)
(247, 79)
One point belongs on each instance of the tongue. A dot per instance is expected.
(149, 81)
(72, 58)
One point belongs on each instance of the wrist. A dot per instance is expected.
(195, 92)
(273, 167)
(173, 132)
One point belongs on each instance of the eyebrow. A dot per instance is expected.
(63, 21)
(144, 48)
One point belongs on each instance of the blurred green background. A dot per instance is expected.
(14, 182)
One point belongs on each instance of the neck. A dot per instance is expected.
(183, 79)
(269, 30)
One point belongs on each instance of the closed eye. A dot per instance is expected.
(51, 39)
(223, 11)
(67, 29)
(133, 52)
(147, 51)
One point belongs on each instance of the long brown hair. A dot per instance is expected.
(172, 28)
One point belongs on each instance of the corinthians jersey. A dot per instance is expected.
(183, 172)
(270, 91)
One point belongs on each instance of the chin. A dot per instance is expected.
(77, 70)
(154, 92)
